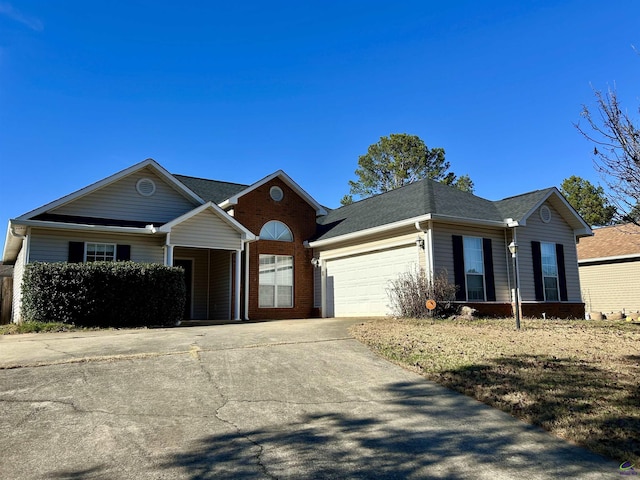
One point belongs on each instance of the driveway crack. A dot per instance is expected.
(195, 351)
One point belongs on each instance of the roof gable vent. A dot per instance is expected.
(545, 214)
(146, 187)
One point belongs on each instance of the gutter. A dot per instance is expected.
(149, 229)
(405, 223)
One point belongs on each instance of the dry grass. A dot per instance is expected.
(577, 379)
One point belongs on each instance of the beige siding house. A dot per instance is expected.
(609, 266)
(360, 247)
(269, 250)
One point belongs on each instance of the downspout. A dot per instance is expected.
(517, 272)
(427, 240)
(247, 272)
(508, 262)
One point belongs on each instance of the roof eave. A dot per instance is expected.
(111, 179)
(149, 229)
(225, 217)
(231, 201)
(404, 223)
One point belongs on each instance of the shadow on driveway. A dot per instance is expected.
(438, 443)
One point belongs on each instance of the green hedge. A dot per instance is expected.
(104, 294)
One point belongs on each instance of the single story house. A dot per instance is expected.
(609, 267)
(269, 250)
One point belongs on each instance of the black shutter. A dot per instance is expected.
(489, 278)
(76, 252)
(537, 270)
(123, 253)
(562, 274)
(458, 268)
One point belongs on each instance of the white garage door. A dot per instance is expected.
(357, 285)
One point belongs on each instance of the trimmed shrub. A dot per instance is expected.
(408, 295)
(103, 294)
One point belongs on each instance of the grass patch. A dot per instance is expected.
(35, 327)
(577, 379)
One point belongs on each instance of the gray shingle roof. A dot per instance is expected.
(518, 206)
(418, 199)
(211, 190)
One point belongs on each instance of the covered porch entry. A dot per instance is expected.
(208, 244)
(209, 282)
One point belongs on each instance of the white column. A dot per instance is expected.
(168, 255)
(236, 313)
(246, 281)
(323, 288)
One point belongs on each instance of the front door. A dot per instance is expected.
(187, 265)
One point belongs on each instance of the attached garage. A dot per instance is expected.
(357, 284)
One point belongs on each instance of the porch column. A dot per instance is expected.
(246, 280)
(168, 255)
(236, 313)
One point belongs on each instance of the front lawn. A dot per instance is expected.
(577, 379)
(35, 327)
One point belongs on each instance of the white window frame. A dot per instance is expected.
(467, 274)
(281, 232)
(274, 303)
(549, 271)
(86, 252)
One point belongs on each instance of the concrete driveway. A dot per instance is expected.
(287, 400)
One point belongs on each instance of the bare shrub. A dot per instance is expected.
(408, 294)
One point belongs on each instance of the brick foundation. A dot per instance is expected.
(535, 310)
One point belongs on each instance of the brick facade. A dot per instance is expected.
(256, 208)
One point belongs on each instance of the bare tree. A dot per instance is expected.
(616, 152)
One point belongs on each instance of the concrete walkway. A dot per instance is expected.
(287, 400)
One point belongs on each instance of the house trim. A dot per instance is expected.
(579, 226)
(246, 234)
(320, 210)
(614, 259)
(149, 162)
(417, 221)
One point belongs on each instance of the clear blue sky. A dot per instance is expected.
(237, 90)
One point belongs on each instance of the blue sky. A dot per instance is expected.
(237, 90)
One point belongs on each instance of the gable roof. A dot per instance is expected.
(233, 199)
(521, 207)
(431, 200)
(148, 163)
(210, 206)
(616, 241)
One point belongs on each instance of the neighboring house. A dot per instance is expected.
(609, 265)
(269, 250)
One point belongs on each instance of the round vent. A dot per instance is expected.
(276, 193)
(545, 214)
(146, 187)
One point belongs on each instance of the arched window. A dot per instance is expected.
(275, 230)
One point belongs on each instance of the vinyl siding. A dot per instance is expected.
(556, 231)
(120, 200)
(53, 246)
(220, 290)
(18, 274)
(611, 287)
(372, 244)
(443, 254)
(200, 279)
(206, 230)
